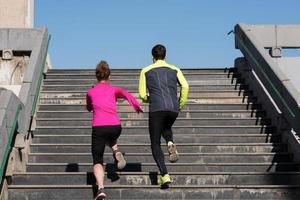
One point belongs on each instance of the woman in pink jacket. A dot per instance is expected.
(101, 100)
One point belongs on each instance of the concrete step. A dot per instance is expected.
(143, 130)
(173, 167)
(150, 178)
(142, 138)
(124, 107)
(79, 192)
(144, 122)
(192, 98)
(192, 94)
(188, 76)
(183, 114)
(134, 87)
(148, 158)
(120, 82)
(185, 70)
(50, 90)
(181, 147)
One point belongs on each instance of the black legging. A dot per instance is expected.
(160, 124)
(102, 135)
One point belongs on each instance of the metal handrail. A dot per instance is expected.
(266, 77)
(10, 141)
(285, 99)
(40, 79)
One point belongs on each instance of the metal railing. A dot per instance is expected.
(11, 127)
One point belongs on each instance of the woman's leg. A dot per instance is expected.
(113, 145)
(98, 147)
(115, 132)
(99, 175)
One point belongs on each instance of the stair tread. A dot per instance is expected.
(134, 135)
(214, 111)
(94, 79)
(87, 85)
(126, 104)
(171, 173)
(177, 144)
(145, 119)
(183, 164)
(155, 186)
(132, 127)
(118, 74)
(183, 154)
(276, 161)
(213, 91)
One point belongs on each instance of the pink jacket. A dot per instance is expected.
(102, 99)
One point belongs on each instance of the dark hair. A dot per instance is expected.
(159, 52)
(102, 71)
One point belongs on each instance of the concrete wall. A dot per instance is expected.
(276, 73)
(291, 67)
(28, 79)
(36, 42)
(16, 13)
(12, 72)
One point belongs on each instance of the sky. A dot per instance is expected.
(123, 32)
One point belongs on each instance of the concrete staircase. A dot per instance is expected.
(228, 150)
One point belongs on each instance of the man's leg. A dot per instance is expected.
(168, 123)
(168, 135)
(155, 129)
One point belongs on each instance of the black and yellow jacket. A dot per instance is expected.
(161, 78)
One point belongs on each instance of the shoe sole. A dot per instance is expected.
(100, 197)
(165, 185)
(173, 154)
(121, 163)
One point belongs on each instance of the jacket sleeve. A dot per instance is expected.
(184, 89)
(142, 87)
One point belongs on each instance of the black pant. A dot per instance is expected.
(160, 124)
(102, 135)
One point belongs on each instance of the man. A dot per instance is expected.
(161, 78)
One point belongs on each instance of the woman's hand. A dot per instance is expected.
(139, 109)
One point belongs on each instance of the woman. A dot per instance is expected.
(101, 100)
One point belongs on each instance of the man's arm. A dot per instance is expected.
(184, 89)
(143, 88)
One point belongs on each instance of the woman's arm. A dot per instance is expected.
(121, 93)
(89, 106)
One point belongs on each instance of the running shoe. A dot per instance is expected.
(100, 194)
(173, 154)
(121, 162)
(164, 181)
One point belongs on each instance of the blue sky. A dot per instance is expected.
(123, 32)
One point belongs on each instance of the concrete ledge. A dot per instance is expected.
(250, 40)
